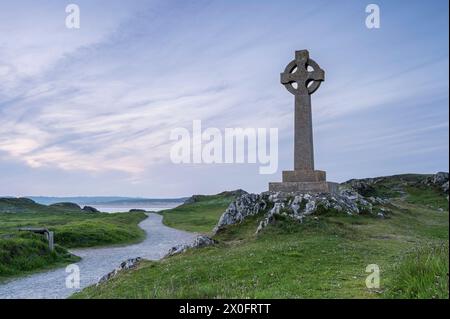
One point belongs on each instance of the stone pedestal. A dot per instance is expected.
(304, 181)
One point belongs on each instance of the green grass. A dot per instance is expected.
(200, 216)
(21, 252)
(324, 258)
(28, 252)
(422, 273)
(428, 196)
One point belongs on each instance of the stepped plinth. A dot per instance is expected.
(303, 181)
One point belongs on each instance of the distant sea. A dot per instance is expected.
(114, 204)
(153, 208)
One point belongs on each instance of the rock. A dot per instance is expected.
(444, 187)
(362, 186)
(242, 207)
(293, 205)
(203, 241)
(178, 249)
(128, 264)
(90, 209)
(377, 200)
(136, 210)
(440, 180)
(199, 242)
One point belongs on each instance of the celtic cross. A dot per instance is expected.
(302, 77)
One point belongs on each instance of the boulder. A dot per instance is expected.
(199, 242)
(127, 264)
(439, 180)
(362, 186)
(241, 208)
(90, 209)
(136, 210)
(445, 187)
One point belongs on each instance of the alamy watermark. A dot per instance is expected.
(234, 145)
(73, 277)
(373, 280)
(73, 16)
(373, 20)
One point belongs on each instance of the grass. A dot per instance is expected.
(428, 196)
(423, 273)
(323, 258)
(27, 253)
(22, 252)
(200, 216)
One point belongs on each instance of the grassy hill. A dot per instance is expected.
(22, 252)
(324, 257)
(199, 216)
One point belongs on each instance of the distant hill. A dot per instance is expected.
(104, 200)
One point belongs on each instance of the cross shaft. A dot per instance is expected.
(307, 82)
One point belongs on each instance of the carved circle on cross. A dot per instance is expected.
(303, 75)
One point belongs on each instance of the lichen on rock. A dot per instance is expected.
(199, 242)
(127, 264)
(294, 205)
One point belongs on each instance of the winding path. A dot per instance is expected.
(97, 262)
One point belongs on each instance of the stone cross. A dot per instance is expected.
(302, 77)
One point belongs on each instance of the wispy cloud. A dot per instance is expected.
(103, 99)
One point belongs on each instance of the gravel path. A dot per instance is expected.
(96, 262)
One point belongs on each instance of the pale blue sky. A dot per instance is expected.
(89, 111)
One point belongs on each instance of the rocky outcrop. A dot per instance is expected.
(241, 208)
(128, 264)
(363, 187)
(444, 187)
(295, 206)
(439, 180)
(199, 242)
(90, 209)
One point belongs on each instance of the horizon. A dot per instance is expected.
(180, 196)
(90, 110)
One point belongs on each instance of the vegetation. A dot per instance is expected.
(22, 252)
(199, 216)
(323, 257)
(28, 252)
(423, 273)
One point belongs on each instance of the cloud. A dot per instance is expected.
(102, 101)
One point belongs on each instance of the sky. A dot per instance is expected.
(89, 111)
